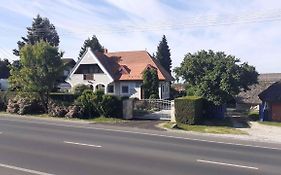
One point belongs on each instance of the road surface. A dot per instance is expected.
(31, 146)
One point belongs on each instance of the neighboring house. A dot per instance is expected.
(271, 102)
(118, 73)
(68, 63)
(250, 97)
(4, 84)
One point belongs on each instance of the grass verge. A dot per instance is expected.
(205, 129)
(271, 123)
(93, 120)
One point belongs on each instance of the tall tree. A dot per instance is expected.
(41, 29)
(93, 43)
(4, 68)
(215, 75)
(40, 67)
(150, 83)
(163, 54)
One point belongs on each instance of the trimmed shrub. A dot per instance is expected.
(111, 106)
(75, 111)
(188, 110)
(86, 100)
(63, 97)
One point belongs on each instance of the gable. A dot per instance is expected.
(88, 61)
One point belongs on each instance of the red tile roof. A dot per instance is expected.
(134, 62)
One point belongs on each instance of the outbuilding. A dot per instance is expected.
(271, 102)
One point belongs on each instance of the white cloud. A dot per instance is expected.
(256, 43)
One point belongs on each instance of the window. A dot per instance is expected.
(88, 69)
(110, 89)
(125, 89)
(88, 77)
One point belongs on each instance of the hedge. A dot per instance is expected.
(188, 110)
(63, 97)
(4, 98)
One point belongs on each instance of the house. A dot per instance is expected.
(246, 99)
(4, 84)
(271, 102)
(68, 64)
(118, 73)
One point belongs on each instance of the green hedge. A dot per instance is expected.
(4, 98)
(63, 97)
(188, 110)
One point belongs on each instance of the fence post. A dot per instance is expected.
(173, 115)
(128, 109)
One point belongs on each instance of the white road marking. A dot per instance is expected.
(24, 169)
(82, 144)
(151, 134)
(227, 164)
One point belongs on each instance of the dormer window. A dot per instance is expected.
(124, 69)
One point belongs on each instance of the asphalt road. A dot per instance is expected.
(60, 148)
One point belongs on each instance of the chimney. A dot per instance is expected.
(105, 50)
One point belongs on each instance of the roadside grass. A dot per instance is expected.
(106, 120)
(100, 119)
(205, 128)
(271, 123)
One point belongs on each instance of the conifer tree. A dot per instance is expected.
(163, 54)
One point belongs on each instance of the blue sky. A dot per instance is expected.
(248, 29)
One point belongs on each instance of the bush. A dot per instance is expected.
(154, 96)
(80, 88)
(86, 100)
(21, 105)
(57, 109)
(111, 106)
(188, 110)
(4, 98)
(63, 97)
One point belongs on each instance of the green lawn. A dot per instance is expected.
(205, 128)
(271, 123)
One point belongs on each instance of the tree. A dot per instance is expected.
(150, 83)
(4, 68)
(41, 29)
(93, 43)
(163, 54)
(215, 76)
(40, 66)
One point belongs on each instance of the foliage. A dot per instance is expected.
(163, 54)
(215, 76)
(111, 106)
(154, 96)
(80, 88)
(4, 68)
(150, 82)
(4, 98)
(24, 105)
(41, 29)
(93, 43)
(188, 109)
(40, 67)
(63, 97)
(86, 100)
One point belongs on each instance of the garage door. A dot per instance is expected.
(276, 112)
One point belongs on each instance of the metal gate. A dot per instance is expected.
(155, 109)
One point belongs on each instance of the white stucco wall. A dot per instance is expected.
(99, 78)
(4, 84)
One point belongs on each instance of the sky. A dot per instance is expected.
(247, 29)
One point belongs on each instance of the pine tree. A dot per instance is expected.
(41, 29)
(163, 54)
(150, 83)
(93, 43)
